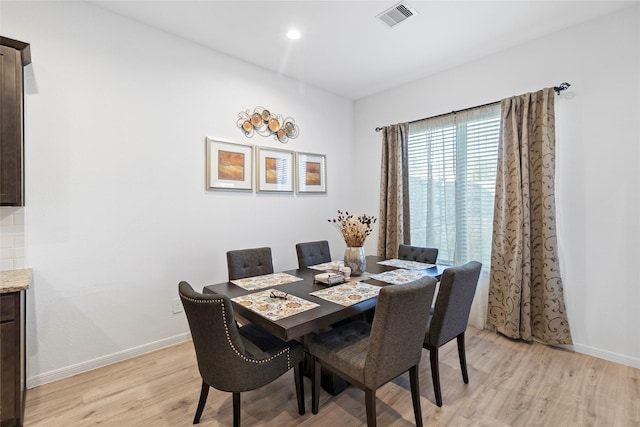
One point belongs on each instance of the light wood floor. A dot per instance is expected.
(511, 384)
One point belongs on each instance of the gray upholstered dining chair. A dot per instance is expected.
(312, 253)
(450, 317)
(235, 359)
(243, 263)
(417, 253)
(370, 355)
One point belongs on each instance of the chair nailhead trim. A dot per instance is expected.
(233, 347)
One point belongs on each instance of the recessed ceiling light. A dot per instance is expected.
(293, 34)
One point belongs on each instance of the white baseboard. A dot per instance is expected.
(595, 352)
(99, 362)
(607, 355)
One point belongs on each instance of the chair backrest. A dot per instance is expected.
(312, 253)
(453, 303)
(243, 263)
(398, 330)
(416, 253)
(217, 341)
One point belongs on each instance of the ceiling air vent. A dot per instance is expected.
(396, 14)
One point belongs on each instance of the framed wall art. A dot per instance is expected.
(311, 173)
(229, 165)
(274, 169)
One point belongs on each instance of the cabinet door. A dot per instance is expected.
(11, 129)
(8, 371)
(8, 307)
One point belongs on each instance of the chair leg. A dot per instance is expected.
(298, 373)
(370, 403)
(463, 358)
(236, 409)
(414, 380)
(435, 374)
(315, 384)
(204, 392)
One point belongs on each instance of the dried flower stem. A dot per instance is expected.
(354, 229)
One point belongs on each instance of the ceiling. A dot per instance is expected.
(344, 49)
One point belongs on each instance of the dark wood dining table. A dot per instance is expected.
(326, 314)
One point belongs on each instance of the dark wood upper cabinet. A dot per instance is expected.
(14, 55)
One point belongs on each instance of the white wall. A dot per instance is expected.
(116, 208)
(598, 158)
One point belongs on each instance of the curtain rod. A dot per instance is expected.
(558, 89)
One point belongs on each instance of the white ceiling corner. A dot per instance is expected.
(343, 42)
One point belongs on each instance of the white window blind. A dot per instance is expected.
(452, 177)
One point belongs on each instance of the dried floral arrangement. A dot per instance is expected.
(354, 229)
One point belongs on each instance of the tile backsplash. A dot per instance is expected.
(11, 238)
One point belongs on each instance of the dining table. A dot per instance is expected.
(307, 294)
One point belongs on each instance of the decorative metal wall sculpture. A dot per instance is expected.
(265, 123)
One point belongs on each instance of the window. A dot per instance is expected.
(452, 177)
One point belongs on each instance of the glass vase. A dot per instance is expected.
(356, 259)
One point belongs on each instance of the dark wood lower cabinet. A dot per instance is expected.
(12, 359)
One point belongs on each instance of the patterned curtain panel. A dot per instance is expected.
(525, 290)
(394, 191)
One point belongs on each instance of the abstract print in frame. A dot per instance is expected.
(229, 165)
(311, 173)
(274, 169)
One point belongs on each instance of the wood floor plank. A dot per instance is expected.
(510, 384)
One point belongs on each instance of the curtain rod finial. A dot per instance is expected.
(563, 86)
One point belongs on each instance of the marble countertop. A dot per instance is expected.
(15, 280)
